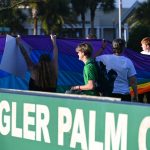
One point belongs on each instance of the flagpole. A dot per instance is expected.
(120, 13)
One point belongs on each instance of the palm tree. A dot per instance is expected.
(80, 7)
(106, 5)
(12, 6)
(8, 4)
(141, 15)
(139, 25)
(34, 13)
(7, 12)
(4, 3)
(53, 14)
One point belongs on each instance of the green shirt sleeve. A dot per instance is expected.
(90, 73)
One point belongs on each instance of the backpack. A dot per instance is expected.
(105, 83)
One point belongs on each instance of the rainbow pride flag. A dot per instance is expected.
(70, 68)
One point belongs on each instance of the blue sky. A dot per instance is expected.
(128, 3)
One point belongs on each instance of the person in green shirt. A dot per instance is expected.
(90, 72)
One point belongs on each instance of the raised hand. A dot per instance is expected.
(53, 38)
(18, 40)
(104, 44)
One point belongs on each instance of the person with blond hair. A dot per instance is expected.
(145, 44)
(90, 72)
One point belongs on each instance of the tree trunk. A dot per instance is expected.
(83, 24)
(92, 32)
(35, 25)
(35, 21)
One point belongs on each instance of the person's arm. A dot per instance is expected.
(133, 84)
(90, 73)
(101, 49)
(89, 86)
(55, 54)
(24, 53)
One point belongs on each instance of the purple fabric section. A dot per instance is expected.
(67, 47)
(140, 61)
(2, 43)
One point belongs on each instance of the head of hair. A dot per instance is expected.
(91, 36)
(44, 58)
(146, 41)
(118, 45)
(86, 48)
(44, 71)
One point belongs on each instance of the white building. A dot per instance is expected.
(106, 24)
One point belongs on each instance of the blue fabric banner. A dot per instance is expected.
(70, 68)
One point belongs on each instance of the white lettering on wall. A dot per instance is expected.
(17, 132)
(78, 132)
(115, 135)
(42, 121)
(28, 121)
(93, 145)
(64, 123)
(144, 126)
(4, 128)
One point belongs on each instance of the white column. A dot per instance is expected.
(120, 13)
(86, 32)
(126, 32)
(98, 32)
(102, 32)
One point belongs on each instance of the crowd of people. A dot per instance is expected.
(44, 74)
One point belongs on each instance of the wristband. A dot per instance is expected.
(79, 88)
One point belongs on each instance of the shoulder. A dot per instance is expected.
(128, 59)
(146, 53)
(128, 62)
(90, 65)
(101, 57)
(130, 66)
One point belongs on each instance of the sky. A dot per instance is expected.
(128, 3)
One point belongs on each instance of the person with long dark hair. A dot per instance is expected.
(43, 74)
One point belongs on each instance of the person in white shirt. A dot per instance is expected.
(145, 44)
(125, 70)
